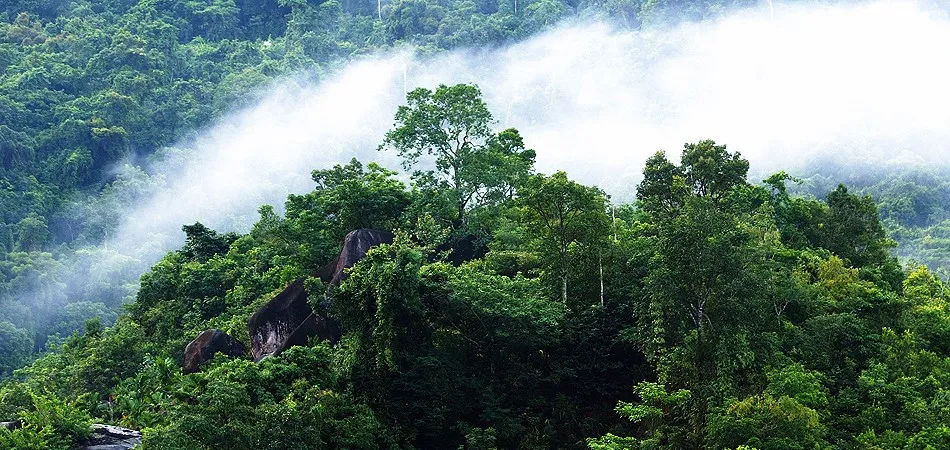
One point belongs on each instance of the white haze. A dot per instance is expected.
(866, 81)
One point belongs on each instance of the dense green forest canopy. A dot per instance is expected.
(913, 203)
(711, 313)
(514, 309)
(92, 93)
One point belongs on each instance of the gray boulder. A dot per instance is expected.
(109, 437)
(288, 319)
(204, 347)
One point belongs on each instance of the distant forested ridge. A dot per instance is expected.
(515, 309)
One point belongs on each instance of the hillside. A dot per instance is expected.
(516, 309)
(92, 94)
(463, 296)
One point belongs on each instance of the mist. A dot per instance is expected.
(859, 82)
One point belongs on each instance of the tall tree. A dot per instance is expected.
(565, 213)
(853, 230)
(453, 125)
(711, 171)
(706, 170)
(704, 286)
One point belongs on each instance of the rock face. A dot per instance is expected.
(355, 246)
(272, 326)
(204, 347)
(108, 437)
(288, 319)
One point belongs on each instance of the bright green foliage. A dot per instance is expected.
(353, 198)
(49, 423)
(659, 411)
(283, 402)
(346, 198)
(477, 167)
(765, 422)
(785, 416)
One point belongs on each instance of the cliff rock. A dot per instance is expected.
(288, 319)
(204, 347)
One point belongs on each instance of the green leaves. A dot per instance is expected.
(16, 150)
(567, 219)
(16, 346)
(49, 423)
(380, 305)
(288, 401)
(453, 125)
(706, 170)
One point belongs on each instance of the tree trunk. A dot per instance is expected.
(699, 389)
(600, 264)
(564, 287)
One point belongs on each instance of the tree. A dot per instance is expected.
(661, 414)
(16, 346)
(565, 213)
(218, 19)
(663, 189)
(353, 197)
(706, 170)
(453, 125)
(32, 233)
(16, 149)
(202, 243)
(853, 229)
(704, 286)
(711, 171)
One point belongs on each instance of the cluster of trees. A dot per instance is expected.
(524, 310)
(86, 85)
(914, 203)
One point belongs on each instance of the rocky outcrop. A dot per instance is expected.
(355, 246)
(288, 319)
(108, 437)
(206, 345)
(272, 326)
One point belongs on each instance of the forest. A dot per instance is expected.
(509, 309)
(93, 92)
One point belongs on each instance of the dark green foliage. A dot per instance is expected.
(202, 243)
(15, 347)
(283, 402)
(86, 86)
